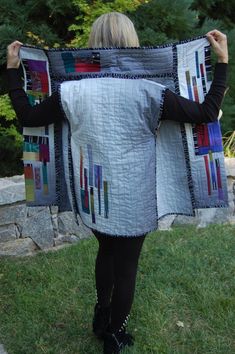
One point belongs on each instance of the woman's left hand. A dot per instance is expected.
(13, 60)
(218, 41)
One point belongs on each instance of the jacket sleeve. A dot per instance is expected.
(184, 110)
(41, 114)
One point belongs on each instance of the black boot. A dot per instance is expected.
(115, 342)
(101, 320)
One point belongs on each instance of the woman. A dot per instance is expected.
(117, 258)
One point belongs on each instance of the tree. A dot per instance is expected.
(157, 25)
(228, 121)
(35, 22)
(223, 10)
(10, 140)
(88, 11)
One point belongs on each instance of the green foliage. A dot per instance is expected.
(89, 11)
(229, 144)
(6, 109)
(217, 9)
(231, 42)
(35, 22)
(10, 151)
(156, 24)
(228, 118)
(10, 140)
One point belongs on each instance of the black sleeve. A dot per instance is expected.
(45, 113)
(184, 110)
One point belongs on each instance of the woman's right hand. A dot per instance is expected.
(218, 41)
(13, 60)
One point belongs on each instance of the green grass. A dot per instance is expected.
(187, 275)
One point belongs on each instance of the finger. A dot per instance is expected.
(14, 48)
(17, 45)
(14, 44)
(211, 39)
(218, 36)
(212, 35)
(215, 32)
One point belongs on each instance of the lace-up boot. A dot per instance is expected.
(115, 342)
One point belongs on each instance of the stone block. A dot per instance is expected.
(165, 222)
(31, 210)
(67, 225)
(61, 239)
(54, 219)
(19, 247)
(9, 232)
(212, 216)
(39, 227)
(54, 209)
(13, 214)
(230, 166)
(231, 192)
(12, 190)
(185, 220)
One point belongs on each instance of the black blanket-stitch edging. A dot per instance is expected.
(156, 199)
(161, 106)
(183, 133)
(175, 68)
(137, 235)
(57, 140)
(176, 214)
(188, 167)
(151, 229)
(57, 143)
(119, 235)
(70, 162)
(166, 45)
(62, 78)
(158, 124)
(225, 205)
(71, 176)
(58, 155)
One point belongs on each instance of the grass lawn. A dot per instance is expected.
(186, 275)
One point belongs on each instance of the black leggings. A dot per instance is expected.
(115, 273)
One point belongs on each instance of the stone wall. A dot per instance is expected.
(26, 230)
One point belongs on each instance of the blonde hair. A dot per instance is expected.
(113, 30)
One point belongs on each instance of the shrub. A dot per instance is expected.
(229, 144)
(10, 140)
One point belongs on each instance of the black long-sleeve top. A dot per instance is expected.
(175, 107)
